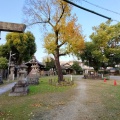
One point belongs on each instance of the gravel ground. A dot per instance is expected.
(79, 103)
(75, 104)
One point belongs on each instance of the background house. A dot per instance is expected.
(67, 68)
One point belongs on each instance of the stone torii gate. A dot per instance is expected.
(12, 27)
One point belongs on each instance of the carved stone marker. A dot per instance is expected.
(21, 87)
(12, 27)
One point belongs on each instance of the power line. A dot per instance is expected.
(101, 7)
(87, 9)
(115, 20)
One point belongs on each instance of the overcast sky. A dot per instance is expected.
(11, 11)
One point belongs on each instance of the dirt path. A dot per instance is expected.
(75, 107)
(81, 106)
(6, 88)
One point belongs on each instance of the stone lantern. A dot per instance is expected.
(33, 78)
(21, 87)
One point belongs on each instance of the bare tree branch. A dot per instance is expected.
(37, 23)
(61, 44)
(63, 10)
(62, 54)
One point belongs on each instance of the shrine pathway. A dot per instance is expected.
(6, 88)
(75, 109)
(82, 106)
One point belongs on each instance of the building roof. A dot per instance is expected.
(35, 60)
(66, 66)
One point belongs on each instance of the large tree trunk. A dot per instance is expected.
(59, 70)
(56, 55)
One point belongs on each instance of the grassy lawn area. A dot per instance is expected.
(44, 97)
(107, 95)
(22, 108)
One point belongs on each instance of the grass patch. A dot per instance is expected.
(23, 107)
(111, 99)
(108, 96)
(44, 87)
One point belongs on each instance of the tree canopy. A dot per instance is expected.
(4, 49)
(104, 48)
(3, 63)
(22, 45)
(65, 35)
(76, 67)
(49, 62)
(107, 37)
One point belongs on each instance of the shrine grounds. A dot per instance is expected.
(85, 100)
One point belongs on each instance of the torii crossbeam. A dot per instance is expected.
(12, 27)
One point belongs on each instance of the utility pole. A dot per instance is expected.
(9, 62)
(10, 55)
(86, 9)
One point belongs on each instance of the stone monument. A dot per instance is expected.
(33, 77)
(21, 87)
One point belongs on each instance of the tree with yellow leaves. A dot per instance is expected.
(65, 36)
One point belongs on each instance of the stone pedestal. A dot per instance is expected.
(21, 87)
